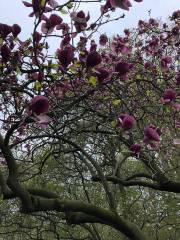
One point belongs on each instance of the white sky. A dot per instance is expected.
(13, 11)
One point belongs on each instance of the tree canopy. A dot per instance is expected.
(89, 141)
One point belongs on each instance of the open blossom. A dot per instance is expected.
(39, 104)
(168, 96)
(37, 7)
(122, 67)
(80, 20)
(37, 109)
(126, 121)
(124, 4)
(64, 27)
(93, 59)
(119, 45)
(50, 23)
(113, 4)
(53, 3)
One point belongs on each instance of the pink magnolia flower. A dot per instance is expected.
(39, 104)
(165, 61)
(113, 4)
(50, 23)
(168, 96)
(148, 65)
(119, 46)
(64, 27)
(126, 121)
(122, 67)
(37, 7)
(65, 55)
(5, 53)
(153, 22)
(123, 4)
(93, 59)
(42, 120)
(135, 148)
(37, 109)
(176, 15)
(151, 133)
(102, 74)
(5, 30)
(103, 39)
(80, 20)
(176, 106)
(37, 36)
(104, 8)
(65, 41)
(16, 29)
(53, 3)
(93, 47)
(127, 32)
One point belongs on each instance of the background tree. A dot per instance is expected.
(89, 135)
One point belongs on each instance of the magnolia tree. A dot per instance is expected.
(89, 134)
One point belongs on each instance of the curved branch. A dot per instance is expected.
(12, 180)
(79, 212)
(107, 216)
(169, 186)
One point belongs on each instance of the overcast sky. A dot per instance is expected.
(13, 11)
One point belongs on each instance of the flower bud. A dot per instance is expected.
(16, 29)
(4, 30)
(37, 36)
(126, 121)
(169, 95)
(65, 56)
(103, 40)
(39, 104)
(135, 148)
(151, 134)
(5, 53)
